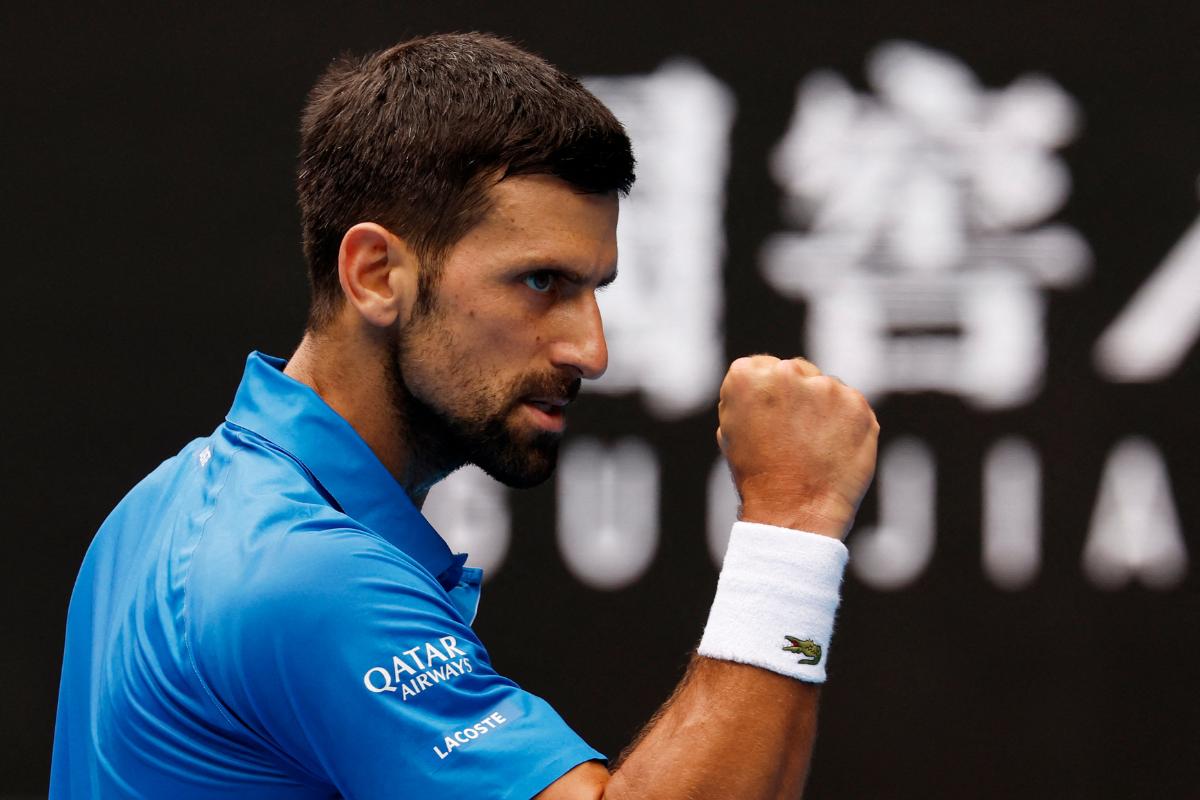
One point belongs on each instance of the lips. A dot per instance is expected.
(546, 399)
(548, 405)
(549, 414)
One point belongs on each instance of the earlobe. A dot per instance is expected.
(377, 271)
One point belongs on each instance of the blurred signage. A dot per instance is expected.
(923, 241)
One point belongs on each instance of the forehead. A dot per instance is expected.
(541, 219)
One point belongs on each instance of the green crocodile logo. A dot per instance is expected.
(805, 647)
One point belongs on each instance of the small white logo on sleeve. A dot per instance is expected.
(421, 667)
(468, 735)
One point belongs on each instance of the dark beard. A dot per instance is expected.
(443, 441)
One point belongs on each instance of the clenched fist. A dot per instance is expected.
(801, 445)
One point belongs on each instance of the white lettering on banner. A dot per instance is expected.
(924, 243)
(1153, 333)
(608, 511)
(467, 735)
(662, 318)
(920, 263)
(895, 552)
(1135, 531)
(415, 672)
(1012, 496)
(470, 511)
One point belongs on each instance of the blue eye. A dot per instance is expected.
(540, 281)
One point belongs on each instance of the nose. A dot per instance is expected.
(582, 346)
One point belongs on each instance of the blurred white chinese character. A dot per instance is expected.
(923, 257)
(663, 315)
(1153, 333)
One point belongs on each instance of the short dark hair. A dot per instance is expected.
(408, 137)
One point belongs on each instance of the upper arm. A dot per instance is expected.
(352, 664)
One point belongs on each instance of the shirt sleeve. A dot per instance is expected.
(350, 663)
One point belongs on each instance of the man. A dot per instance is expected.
(268, 615)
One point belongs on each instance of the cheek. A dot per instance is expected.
(480, 345)
(464, 372)
(504, 343)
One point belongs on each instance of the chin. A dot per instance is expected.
(520, 467)
(522, 480)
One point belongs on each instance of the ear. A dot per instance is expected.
(378, 273)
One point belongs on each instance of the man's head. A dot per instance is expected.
(483, 376)
(459, 202)
(413, 137)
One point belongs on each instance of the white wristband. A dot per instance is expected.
(776, 600)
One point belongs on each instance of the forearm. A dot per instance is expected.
(730, 730)
(741, 723)
(801, 449)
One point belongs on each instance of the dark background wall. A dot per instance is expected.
(152, 241)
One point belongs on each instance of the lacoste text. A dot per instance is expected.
(459, 738)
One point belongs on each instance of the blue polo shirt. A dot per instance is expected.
(267, 615)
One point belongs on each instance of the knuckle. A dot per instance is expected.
(825, 384)
(740, 368)
(804, 366)
(747, 371)
(762, 361)
(854, 396)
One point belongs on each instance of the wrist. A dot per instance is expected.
(824, 519)
(776, 599)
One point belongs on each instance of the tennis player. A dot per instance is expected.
(268, 615)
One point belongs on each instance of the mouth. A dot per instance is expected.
(548, 412)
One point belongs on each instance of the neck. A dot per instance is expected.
(352, 377)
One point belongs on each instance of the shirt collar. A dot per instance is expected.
(295, 419)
